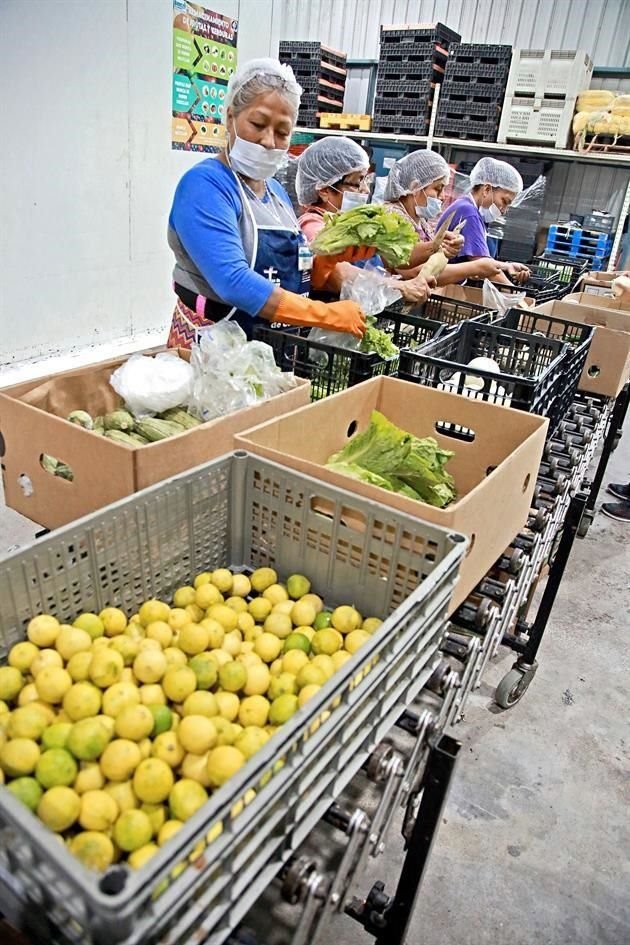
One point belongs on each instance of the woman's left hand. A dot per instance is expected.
(417, 289)
(517, 271)
(452, 245)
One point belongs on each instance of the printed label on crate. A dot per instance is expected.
(204, 58)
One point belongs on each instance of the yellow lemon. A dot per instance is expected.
(345, 619)
(11, 681)
(216, 632)
(294, 661)
(228, 703)
(82, 700)
(56, 735)
(148, 644)
(224, 615)
(241, 585)
(303, 614)
(246, 622)
(178, 683)
(106, 667)
(156, 814)
(207, 595)
(45, 658)
(222, 579)
(132, 830)
(184, 596)
(275, 668)
(326, 641)
(237, 604)
(94, 850)
(306, 692)
(371, 624)
(298, 586)
(56, 766)
(195, 767)
(193, 638)
(28, 694)
(233, 676)
(118, 697)
(19, 757)
(114, 621)
(278, 624)
(223, 762)
(262, 578)
(120, 759)
(268, 646)
(174, 657)
(232, 642)
(260, 608)
(123, 793)
(59, 808)
(161, 632)
(91, 623)
(72, 640)
(356, 639)
(99, 810)
(220, 657)
(282, 709)
(310, 675)
(251, 740)
(43, 630)
(152, 781)
(225, 730)
(313, 599)
(324, 663)
(152, 694)
(88, 739)
(205, 669)
(28, 721)
(22, 655)
(276, 593)
(166, 747)
(89, 778)
(79, 666)
(145, 748)
(168, 830)
(52, 683)
(153, 610)
(138, 858)
(308, 632)
(185, 799)
(258, 679)
(27, 790)
(150, 666)
(177, 618)
(201, 703)
(195, 613)
(203, 578)
(134, 722)
(282, 684)
(196, 734)
(254, 710)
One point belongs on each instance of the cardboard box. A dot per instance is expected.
(607, 365)
(472, 294)
(32, 423)
(598, 301)
(494, 474)
(597, 283)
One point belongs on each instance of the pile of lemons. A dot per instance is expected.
(115, 730)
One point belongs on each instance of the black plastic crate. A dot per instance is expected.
(391, 88)
(568, 272)
(473, 72)
(315, 84)
(530, 376)
(482, 53)
(456, 93)
(297, 49)
(420, 33)
(574, 335)
(405, 71)
(459, 110)
(388, 99)
(517, 251)
(542, 286)
(382, 124)
(320, 103)
(474, 130)
(401, 107)
(412, 52)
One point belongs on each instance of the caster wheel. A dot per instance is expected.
(513, 686)
(616, 441)
(585, 523)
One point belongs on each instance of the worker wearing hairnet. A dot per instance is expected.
(494, 185)
(331, 178)
(414, 188)
(239, 251)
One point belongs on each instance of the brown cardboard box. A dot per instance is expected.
(607, 365)
(495, 474)
(598, 301)
(597, 283)
(32, 423)
(472, 294)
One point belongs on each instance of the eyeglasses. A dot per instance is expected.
(354, 187)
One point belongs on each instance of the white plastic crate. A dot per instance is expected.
(539, 121)
(549, 72)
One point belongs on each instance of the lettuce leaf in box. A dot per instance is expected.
(390, 483)
(380, 448)
(423, 470)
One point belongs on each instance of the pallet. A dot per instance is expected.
(602, 144)
(345, 121)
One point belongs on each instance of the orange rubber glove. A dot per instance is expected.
(340, 316)
(324, 265)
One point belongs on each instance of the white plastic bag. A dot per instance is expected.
(151, 385)
(230, 372)
(499, 301)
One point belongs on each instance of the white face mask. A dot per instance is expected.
(432, 209)
(350, 200)
(253, 161)
(492, 213)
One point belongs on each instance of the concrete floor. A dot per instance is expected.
(534, 848)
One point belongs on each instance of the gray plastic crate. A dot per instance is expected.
(246, 512)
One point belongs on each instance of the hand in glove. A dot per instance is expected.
(340, 316)
(324, 265)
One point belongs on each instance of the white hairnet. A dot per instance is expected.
(497, 173)
(414, 172)
(324, 163)
(258, 76)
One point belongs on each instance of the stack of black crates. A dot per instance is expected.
(472, 93)
(322, 74)
(412, 61)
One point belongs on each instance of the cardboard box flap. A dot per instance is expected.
(89, 391)
(597, 301)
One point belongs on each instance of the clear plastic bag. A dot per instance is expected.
(149, 385)
(230, 372)
(499, 301)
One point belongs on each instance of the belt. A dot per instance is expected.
(205, 308)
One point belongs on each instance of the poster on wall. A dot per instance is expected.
(204, 58)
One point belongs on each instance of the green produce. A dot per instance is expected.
(127, 439)
(372, 225)
(153, 429)
(82, 418)
(119, 420)
(64, 471)
(180, 415)
(387, 456)
(377, 341)
(49, 463)
(99, 425)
